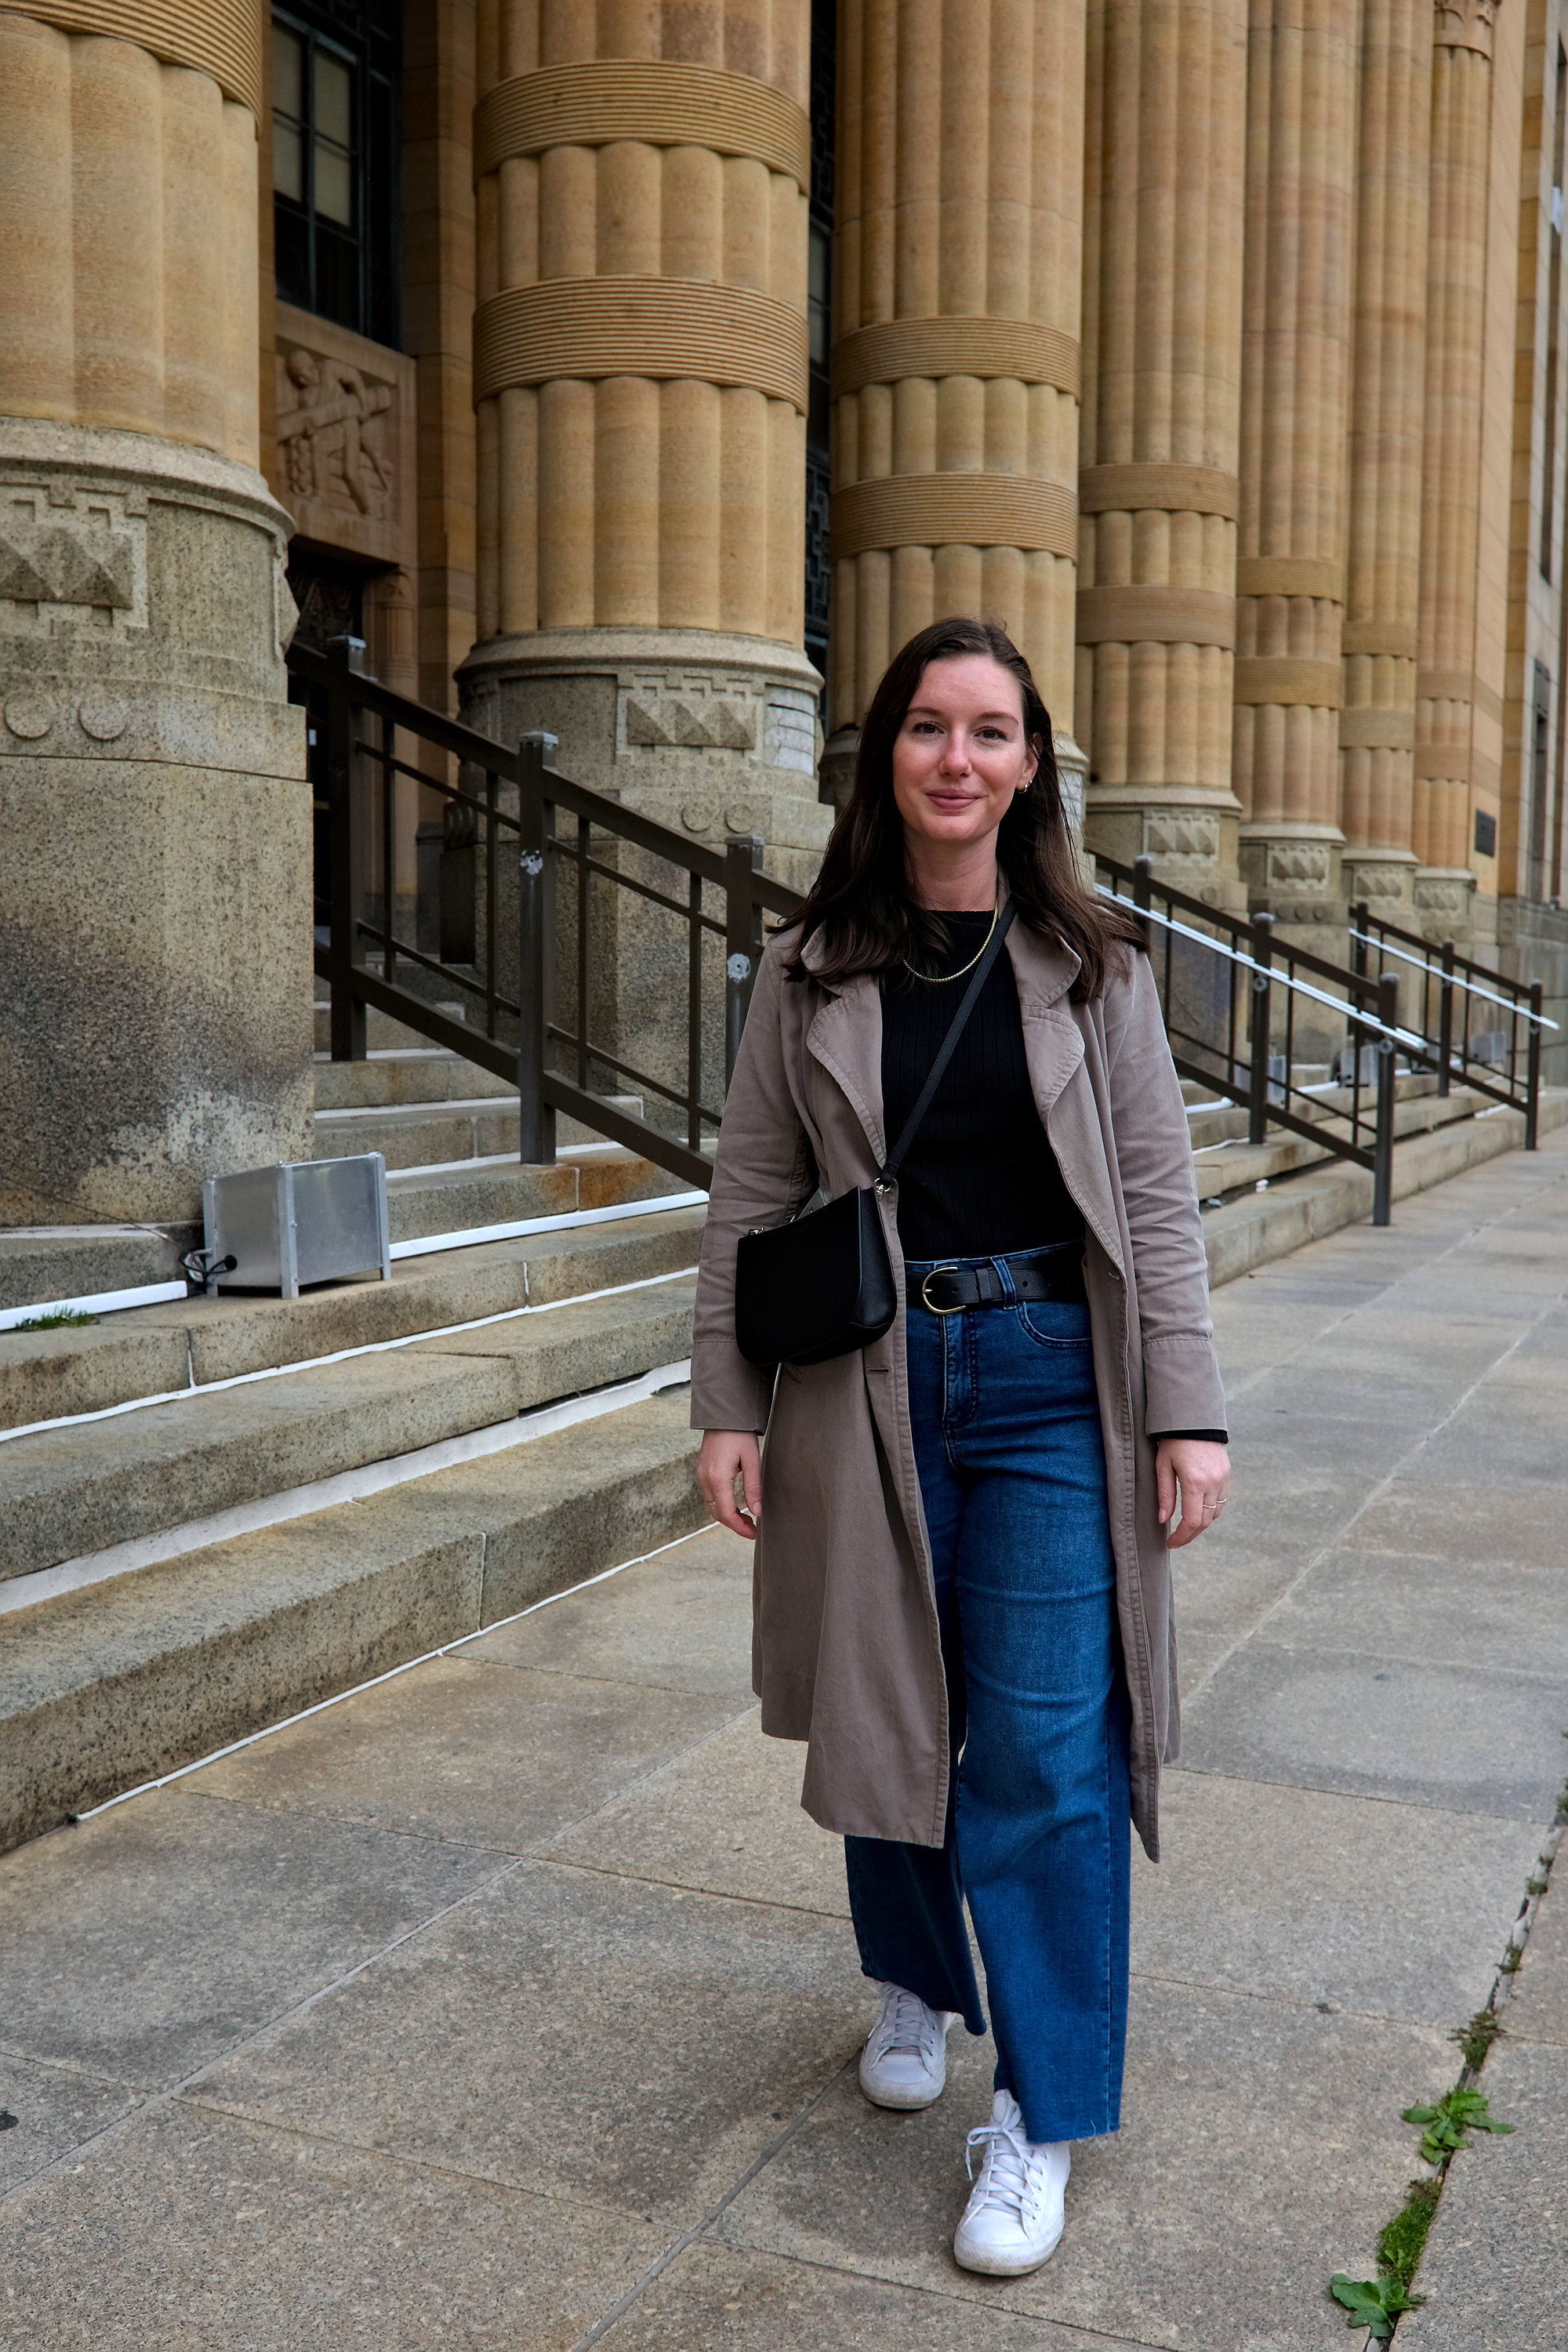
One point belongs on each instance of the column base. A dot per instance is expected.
(1188, 831)
(155, 891)
(1385, 878)
(712, 734)
(1445, 903)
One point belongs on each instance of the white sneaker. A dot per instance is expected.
(1014, 2217)
(904, 2063)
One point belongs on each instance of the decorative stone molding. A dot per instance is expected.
(345, 439)
(1307, 865)
(705, 721)
(599, 102)
(1289, 575)
(1172, 833)
(1438, 894)
(1466, 24)
(894, 350)
(1383, 881)
(70, 560)
(665, 328)
(220, 37)
(1288, 679)
(1156, 615)
(1163, 489)
(954, 510)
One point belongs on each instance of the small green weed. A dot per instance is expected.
(1536, 1885)
(1512, 1962)
(1373, 2304)
(1446, 2125)
(1403, 2241)
(1477, 2038)
(63, 1319)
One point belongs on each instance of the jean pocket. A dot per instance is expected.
(1056, 1322)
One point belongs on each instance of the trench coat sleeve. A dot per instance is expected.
(763, 1170)
(1181, 1383)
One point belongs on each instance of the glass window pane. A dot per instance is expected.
(334, 185)
(288, 160)
(333, 92)
(288, 72)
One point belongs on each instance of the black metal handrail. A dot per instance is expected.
(1223, 979)
(1452, 986)
(1237, 1042)
(364, 727)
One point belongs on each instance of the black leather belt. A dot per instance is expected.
(1055, 1276)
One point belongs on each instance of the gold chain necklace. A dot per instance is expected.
(941, 979)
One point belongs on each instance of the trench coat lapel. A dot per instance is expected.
(1059, 1080)
(845, 1037)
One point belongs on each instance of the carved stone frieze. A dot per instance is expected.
(1181, 833)
(1300, 863)
(709, 723)
(345, 439)
(71, 559)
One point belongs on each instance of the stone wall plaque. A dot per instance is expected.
(346, 451)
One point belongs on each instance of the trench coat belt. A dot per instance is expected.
(1055, 1274)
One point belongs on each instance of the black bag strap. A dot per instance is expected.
(887, 1173)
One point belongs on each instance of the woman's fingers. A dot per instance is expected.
(1200, 1470)
(728, 1459)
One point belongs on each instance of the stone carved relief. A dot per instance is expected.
(1176, 833)
(1437, 897)
(1300, 862)
(70, 560)
(700, 722)
(1377, 881)
(334, 441)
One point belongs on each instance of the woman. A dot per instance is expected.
(962, 1591)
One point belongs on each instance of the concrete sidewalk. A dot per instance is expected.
(513, 2002)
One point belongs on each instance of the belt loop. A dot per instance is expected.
(1001, 1274)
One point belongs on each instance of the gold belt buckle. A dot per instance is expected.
(927, 1301)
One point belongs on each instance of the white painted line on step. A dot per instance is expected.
(428, 1244)
(326, 1494)
(101, 1302)
(145, 1787)
(343, 1355)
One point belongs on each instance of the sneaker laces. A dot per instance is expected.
(1009, 2178)
(905, 2024)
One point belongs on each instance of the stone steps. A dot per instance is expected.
(110, 1685)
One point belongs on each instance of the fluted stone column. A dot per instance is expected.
(640, 381)
(1446, 686)
(1296, 354)
(1156, 613)
(957, 257)
(155, 878)
(1377, 721)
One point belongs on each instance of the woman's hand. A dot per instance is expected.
(728, 1457)
(1201, 1470)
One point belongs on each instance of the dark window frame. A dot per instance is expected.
(364, 301)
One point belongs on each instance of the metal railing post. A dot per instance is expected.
(345, 656)
(1533, 1070)
(1360, 914)
(743, 938)
(535, 950)
(1142, 875)
(1446, 1019)
(1383, 1146)
(1262, 1004)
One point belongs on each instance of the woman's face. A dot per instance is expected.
(961, 752)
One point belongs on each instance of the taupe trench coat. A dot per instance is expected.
(846, 1653)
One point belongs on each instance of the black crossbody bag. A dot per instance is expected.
(823, 1284)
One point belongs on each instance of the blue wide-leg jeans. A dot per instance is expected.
(1012, 1469)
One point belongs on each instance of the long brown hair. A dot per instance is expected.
(860, 901)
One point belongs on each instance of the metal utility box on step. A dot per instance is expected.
(300, 1221)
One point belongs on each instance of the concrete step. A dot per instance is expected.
(153, 1350)
(382, 1033)
(69, 1492)
(40, 1263)
(424, 1074)
(1224, 1168)
(110, 1685)
(468, 1195)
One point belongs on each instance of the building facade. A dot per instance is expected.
(648, 371)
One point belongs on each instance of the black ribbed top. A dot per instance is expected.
(980, 1180)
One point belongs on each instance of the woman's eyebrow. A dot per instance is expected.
(984, 718)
